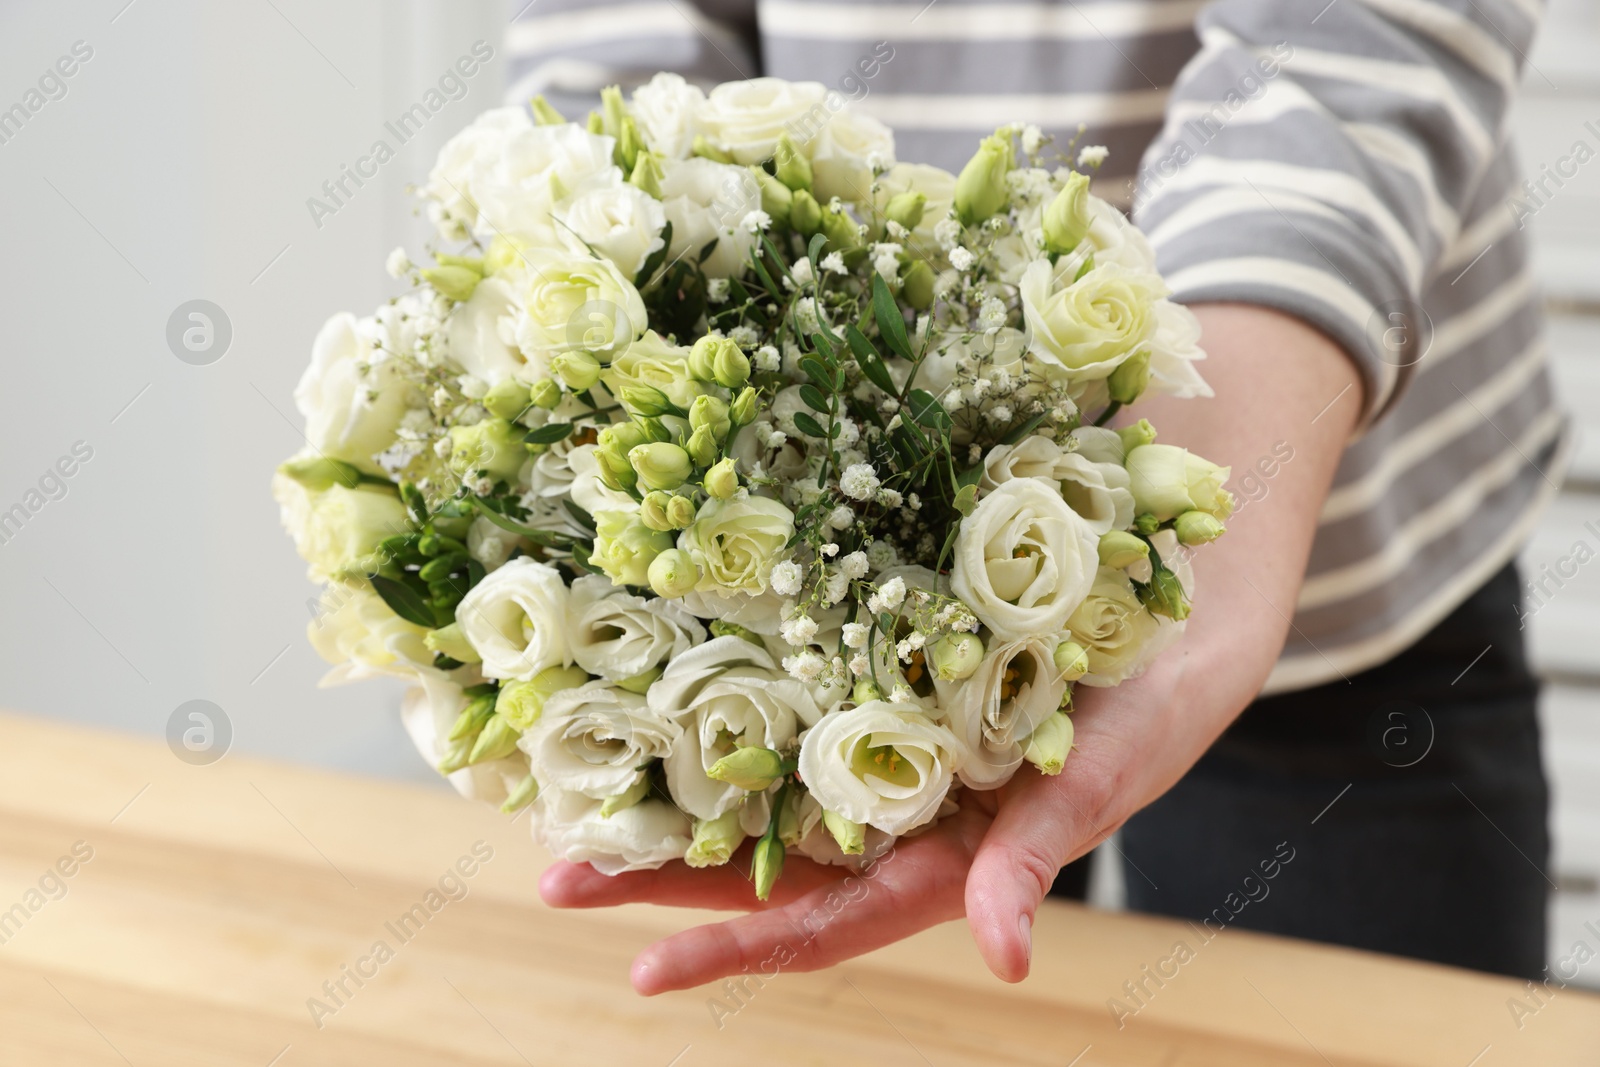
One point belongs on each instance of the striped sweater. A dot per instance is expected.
(1344, 162)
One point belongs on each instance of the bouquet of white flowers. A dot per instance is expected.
(732, 480)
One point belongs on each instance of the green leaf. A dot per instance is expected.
(548, 434)
(949, 543)
(809, 425)
(817, 371)
(658, 257)
(824, 346)
(970, 476)
(926, 410)
(890, 322)
(814, 398)
(547, 538)
(874, 368)
(404, 601)
(817, 241)
(706, 250)
(581, 517)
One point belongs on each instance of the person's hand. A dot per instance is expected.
(1276, 381)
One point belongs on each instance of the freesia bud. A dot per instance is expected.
(1050, 744)
(450, 641)
(916, 285)
(672, 574)
(1120, 550)
(521, 703)
(955, 656)
(1197, 528)
(579, 370)
(790, 166)
(715, 840)
(1130, 378)
(851, 836)
(981, 189)
(507, 400)
(660, 465)
(750, 768)
(722, 480)
(805, 214)
(1066, 218)
(493, 446)
(906, 208)
(1072, 660)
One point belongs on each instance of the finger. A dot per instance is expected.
(913, 887)
(578, 885)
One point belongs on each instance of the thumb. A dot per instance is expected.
(1043, 823)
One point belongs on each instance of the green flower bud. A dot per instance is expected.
(1120, 549)
(865, 691)
(680, 512)
(706, 150)
(672, 574)
(703, 355)
(723, 628)
(906, 208)
(646, 400)
(507, 400)
(653, 511)
(1050, 744)
(767, 865)
(1146, 523)
(543, 113)
(981, 188)
(625, 799)
(702, 447)
(743, 409)
(955, 656)
(1163, 594)
(851, 836)
(843, 232)
(521, 703)
(789, 166)
(805, 214)
(1167, 481)
(750, 768)
(317, 473)
(502, 253)
(1140, 433)
(545, 394)
(776, 199)
(1197, 528)
(630, 145)
(715, 840)
(624, 547)
(615, 470)
(660, 465)
(497, 740)
(722, 480)
(1130, 378)
(457, 283)
(1072, 660)
(450, 641)
(732, 367)
(916, 285)
(472, 263)
(472, 718)
(595, 124)
(647, 174)
(526, 792)
(579, 370)
(711, 413)
(640, 683)
(493, 446)
(613, 110)
(1066, 218)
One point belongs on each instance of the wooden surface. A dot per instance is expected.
(219, 899)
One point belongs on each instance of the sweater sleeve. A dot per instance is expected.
(1319, 163)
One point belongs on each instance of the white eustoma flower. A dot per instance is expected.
(705, 201)
(538, 168)
(516, 619)
(617, 635)
(1097, 491)
(884, 764)
(480, 332)
(620, 222)
(746, 118)
(464, 162)
(1174, 350)
(596, 739)
(667, 109)
(1015, 688)
(842, 156)
(362, 637)
(1023, 559)
(428, 711)
(727, 694)
(352, 395)
(641, 837)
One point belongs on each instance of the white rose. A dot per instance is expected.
(1023, 560)
(641, 837)
(745, 119)
(617, 635)
(480, 332)
(362, 636)
(1119, 635)
(1097, 491)
(569, 303)
(1174, 351)
(705, 201)
(621, 223)
(884, 764)
(1090, 326)
(352, 395)
(428, 711)
(727, 694)
(735, 542)
(842, 155)
(516, 619)
(336, 530)
(1014, 689)
(596, 740)
(537, 168)
(667, 109)
(464, 162)
(938, 189)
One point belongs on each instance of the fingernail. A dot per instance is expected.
(1025, 927)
